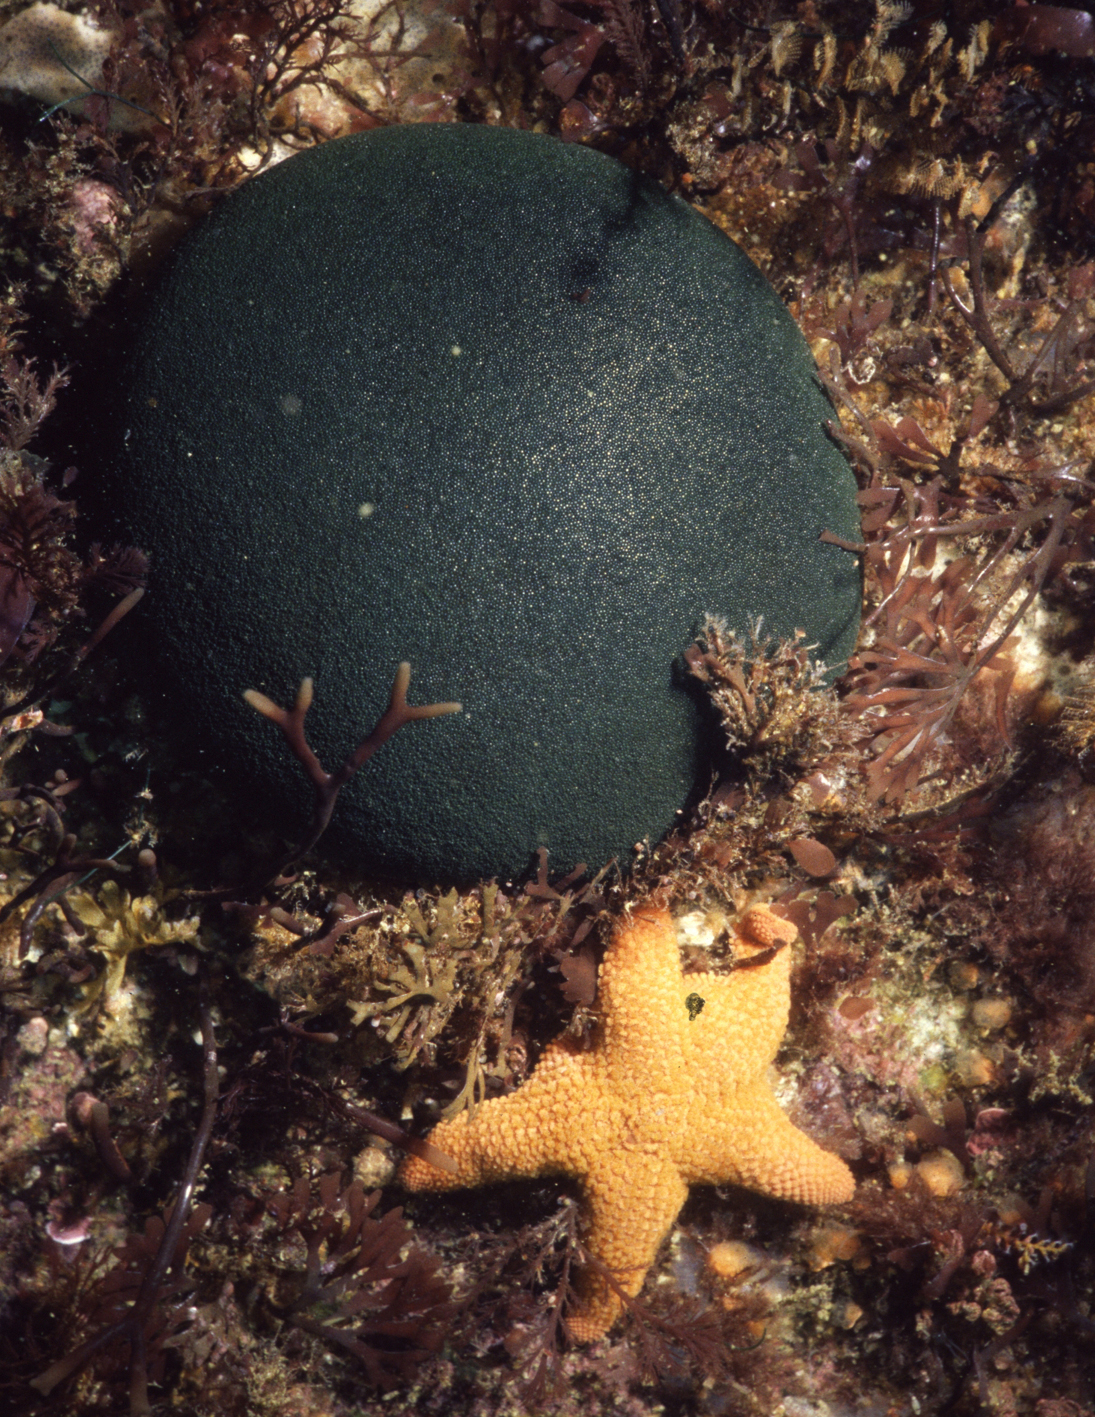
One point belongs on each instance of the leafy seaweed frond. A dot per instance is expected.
(938, 623)
(361, 1289)
(25, 400)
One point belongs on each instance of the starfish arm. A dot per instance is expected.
(640, 1004)
(737, 1032)
(529, 1133)
(630, 1201)
(754, 1144)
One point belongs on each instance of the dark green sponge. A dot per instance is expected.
(502, 407)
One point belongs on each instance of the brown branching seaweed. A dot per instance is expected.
(355, 1292)
(626, 30)
(762, 691)
(568, 62)
(523, 1290)
(35, 563)
(17, 717)
(381, 1127)
(135, 1326)
(138, 1305)
(39, 570)
(300, 43)
(44, 809)
(933, 635)
(793, 772)
(1054, 374)
(326, 786)
(839, 180)
(437, 985)
(1040, 880)
(25, 404)
(850, 328)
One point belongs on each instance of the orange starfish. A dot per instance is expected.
(672, 1093)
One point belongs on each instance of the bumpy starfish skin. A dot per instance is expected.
(662, 1101)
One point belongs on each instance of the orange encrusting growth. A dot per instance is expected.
(667, 1098)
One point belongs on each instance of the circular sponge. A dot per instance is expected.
(504, 408)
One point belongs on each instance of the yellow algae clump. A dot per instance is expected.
(942, 1173)
(836, 1242)
(121, 924)
(729, 1258)
(991, 1014)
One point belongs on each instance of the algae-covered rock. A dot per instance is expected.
(502, 407)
